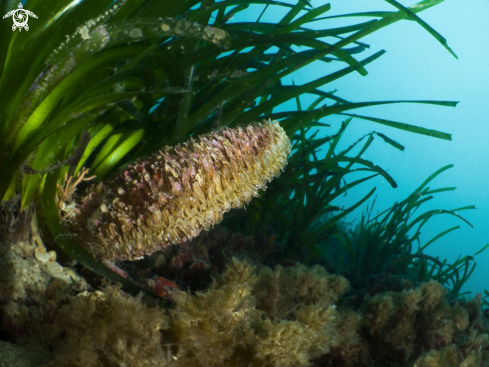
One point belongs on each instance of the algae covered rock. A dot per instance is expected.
(109, 328)
(223, 326)
(302, 321)
(271, 318)
(16, 355)
(288, 316)
(417, 327)
(215, 328)
(33, 285)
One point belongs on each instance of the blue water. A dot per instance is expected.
(416, 67)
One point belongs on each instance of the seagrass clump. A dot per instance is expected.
(176, 193)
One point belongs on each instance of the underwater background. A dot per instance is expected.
(244, 183)
(416, 66)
